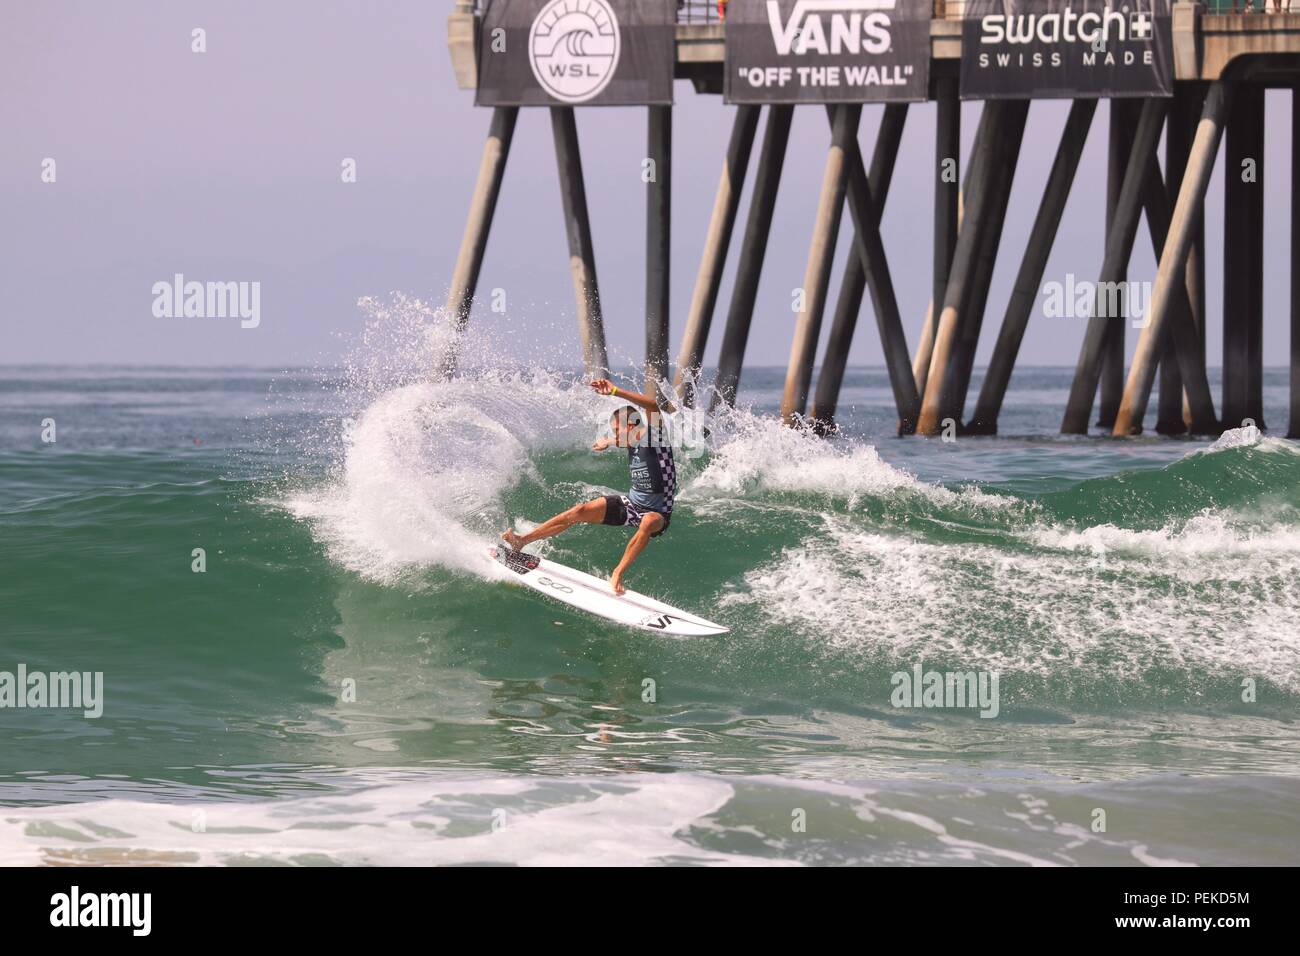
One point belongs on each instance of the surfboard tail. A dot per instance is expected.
(594, 595)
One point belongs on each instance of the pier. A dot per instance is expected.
(1192, 73)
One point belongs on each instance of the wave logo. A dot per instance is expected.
(573, 48)
(849, 27)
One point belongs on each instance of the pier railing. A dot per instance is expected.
(714, 11)
(700, 11)
(1263, 7)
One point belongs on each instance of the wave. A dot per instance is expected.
(1186, 572)
(756, 454)
(424, 466)
(1133, 621)
(1241, 472)
(410, 818)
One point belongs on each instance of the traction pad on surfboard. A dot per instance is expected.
(517, 561)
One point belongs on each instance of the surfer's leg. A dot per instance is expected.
(651, 524)
(589, 512)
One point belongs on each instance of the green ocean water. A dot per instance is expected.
(348, 681)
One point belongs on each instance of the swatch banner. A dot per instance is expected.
(576, 53)
(827, 51)
(1015, 49)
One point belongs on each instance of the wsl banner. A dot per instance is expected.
(576, 53)
(827, 51)
(1014, 49)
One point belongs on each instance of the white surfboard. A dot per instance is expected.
(594, 595)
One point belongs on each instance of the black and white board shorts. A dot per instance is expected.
(619, 510)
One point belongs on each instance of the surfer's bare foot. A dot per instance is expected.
(616, 582)
(512, 539)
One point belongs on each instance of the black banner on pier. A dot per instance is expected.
(1016, 49)
(576, 53)
(827, 51)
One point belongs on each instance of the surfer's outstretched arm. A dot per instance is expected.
(650, 524)
(605, 387)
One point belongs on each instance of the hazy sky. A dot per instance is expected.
(225, 166)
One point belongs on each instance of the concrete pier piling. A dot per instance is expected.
(1029, 279)
(1007, 157)
(1122, 119)
(947, 213)
(714, 257)
(582, 254)
(869, 244)
(483, 204)
(929, 331)
(855, 280)
(1293, 428)
(1114, 267)
(767, 179)
(992, 167)
(1182, 349)
(1170, 274)
(821, 255)
(1243, 259)
(1174, 416)
(658, 243)
(957, 291)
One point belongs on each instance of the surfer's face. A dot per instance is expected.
(624, 434)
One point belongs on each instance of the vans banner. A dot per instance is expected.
(576, 53)
(827, 51)
(1015, 49)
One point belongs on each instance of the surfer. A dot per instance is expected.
(648, 504)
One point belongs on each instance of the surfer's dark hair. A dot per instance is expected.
(630, 414)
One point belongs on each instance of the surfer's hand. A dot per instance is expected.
(616, 581)
(603, 386)
(600, 444)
